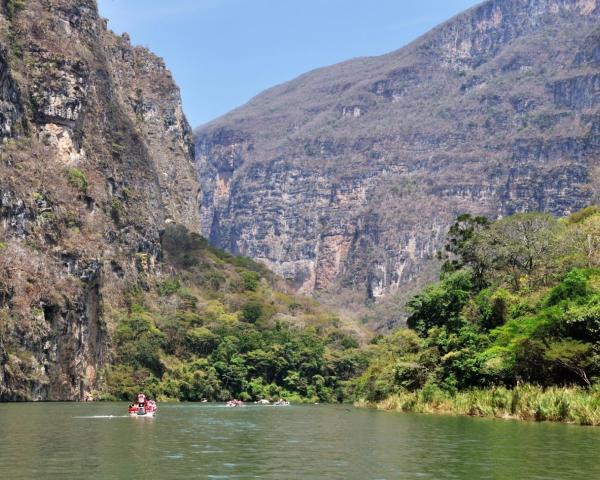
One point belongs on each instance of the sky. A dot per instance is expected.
(224, 52)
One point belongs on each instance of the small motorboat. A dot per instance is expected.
(235, 403)
(281, 403)
(142, 407)
(262, 401)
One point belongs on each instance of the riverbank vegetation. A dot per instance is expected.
(511, 330)
(517, 305)
(523, 402)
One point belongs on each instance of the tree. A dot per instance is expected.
(573, 355)
(441, 304)
(521, 250)
(586, 236)
(458, 251)
(572, 287)
(252, 311)
(250, 280)
(201, 340)
(492, 307)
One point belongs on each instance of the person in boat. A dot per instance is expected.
(142, 405)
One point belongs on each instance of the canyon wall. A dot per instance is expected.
(95, 159)
(347, 178)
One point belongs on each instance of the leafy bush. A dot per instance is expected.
(252, 311)
(493, 307)
(168, 287)
(13, 7)
(117, 210)
(573, 286)
(250, 280)
(583, 214)
(77, 179)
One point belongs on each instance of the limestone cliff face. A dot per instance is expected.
(350, 175)
(95, 158)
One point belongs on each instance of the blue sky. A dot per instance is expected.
(223, 52)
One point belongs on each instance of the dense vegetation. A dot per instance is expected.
(217, 327)
(514, 319)
(517, 304)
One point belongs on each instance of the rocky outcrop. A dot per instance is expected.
(10, 112)
(349, 176)
(579, 93)
(95, 160)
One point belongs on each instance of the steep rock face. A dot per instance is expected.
(95, 159)
(350, 175)
(10, 114)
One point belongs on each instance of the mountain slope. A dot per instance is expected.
(217, 327)
(95, 160)
(348, 176)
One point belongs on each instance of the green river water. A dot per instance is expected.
(96, 441)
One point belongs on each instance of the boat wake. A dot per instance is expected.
(103, 416)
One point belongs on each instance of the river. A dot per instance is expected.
(96, 441)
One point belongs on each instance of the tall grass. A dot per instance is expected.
(524, 402)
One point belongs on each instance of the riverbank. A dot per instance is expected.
(525, 402)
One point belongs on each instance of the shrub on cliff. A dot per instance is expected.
(77, 179)
(13, 7)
